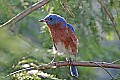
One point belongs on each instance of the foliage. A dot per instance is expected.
(28, 42)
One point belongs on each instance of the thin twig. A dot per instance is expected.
(67, 8)
(24, 13)
(106, 71)
(118, 60)
(67, 63)
(22, 70)
(111, 17)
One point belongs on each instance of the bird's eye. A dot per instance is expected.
(51, 18)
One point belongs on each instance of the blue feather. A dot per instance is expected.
(70, 26)
(73, 71)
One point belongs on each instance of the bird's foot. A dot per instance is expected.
(53, 60)
(69, 60)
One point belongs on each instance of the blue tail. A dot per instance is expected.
(73, 71)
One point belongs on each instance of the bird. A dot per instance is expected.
(63, 37)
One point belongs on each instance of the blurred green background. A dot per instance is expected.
(28, 42)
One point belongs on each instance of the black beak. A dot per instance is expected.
(42, 20)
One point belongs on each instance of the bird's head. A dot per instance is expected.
(54, 20)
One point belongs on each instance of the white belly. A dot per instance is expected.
(60, 48)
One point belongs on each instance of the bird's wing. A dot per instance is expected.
(73, 41)
(71, 33)
(70, 27)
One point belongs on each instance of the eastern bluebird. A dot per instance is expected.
(63, 37)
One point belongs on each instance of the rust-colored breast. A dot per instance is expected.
(64, 36)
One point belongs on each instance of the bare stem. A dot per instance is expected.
(111, 17)
(24, 13)
(67, 63)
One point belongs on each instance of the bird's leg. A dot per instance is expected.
(55, 53)
(75, 57)
(53, 58)
(69, 59)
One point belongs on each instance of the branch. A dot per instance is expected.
(118, 60)
(68, 63)
(111, 17)
(24, 13)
